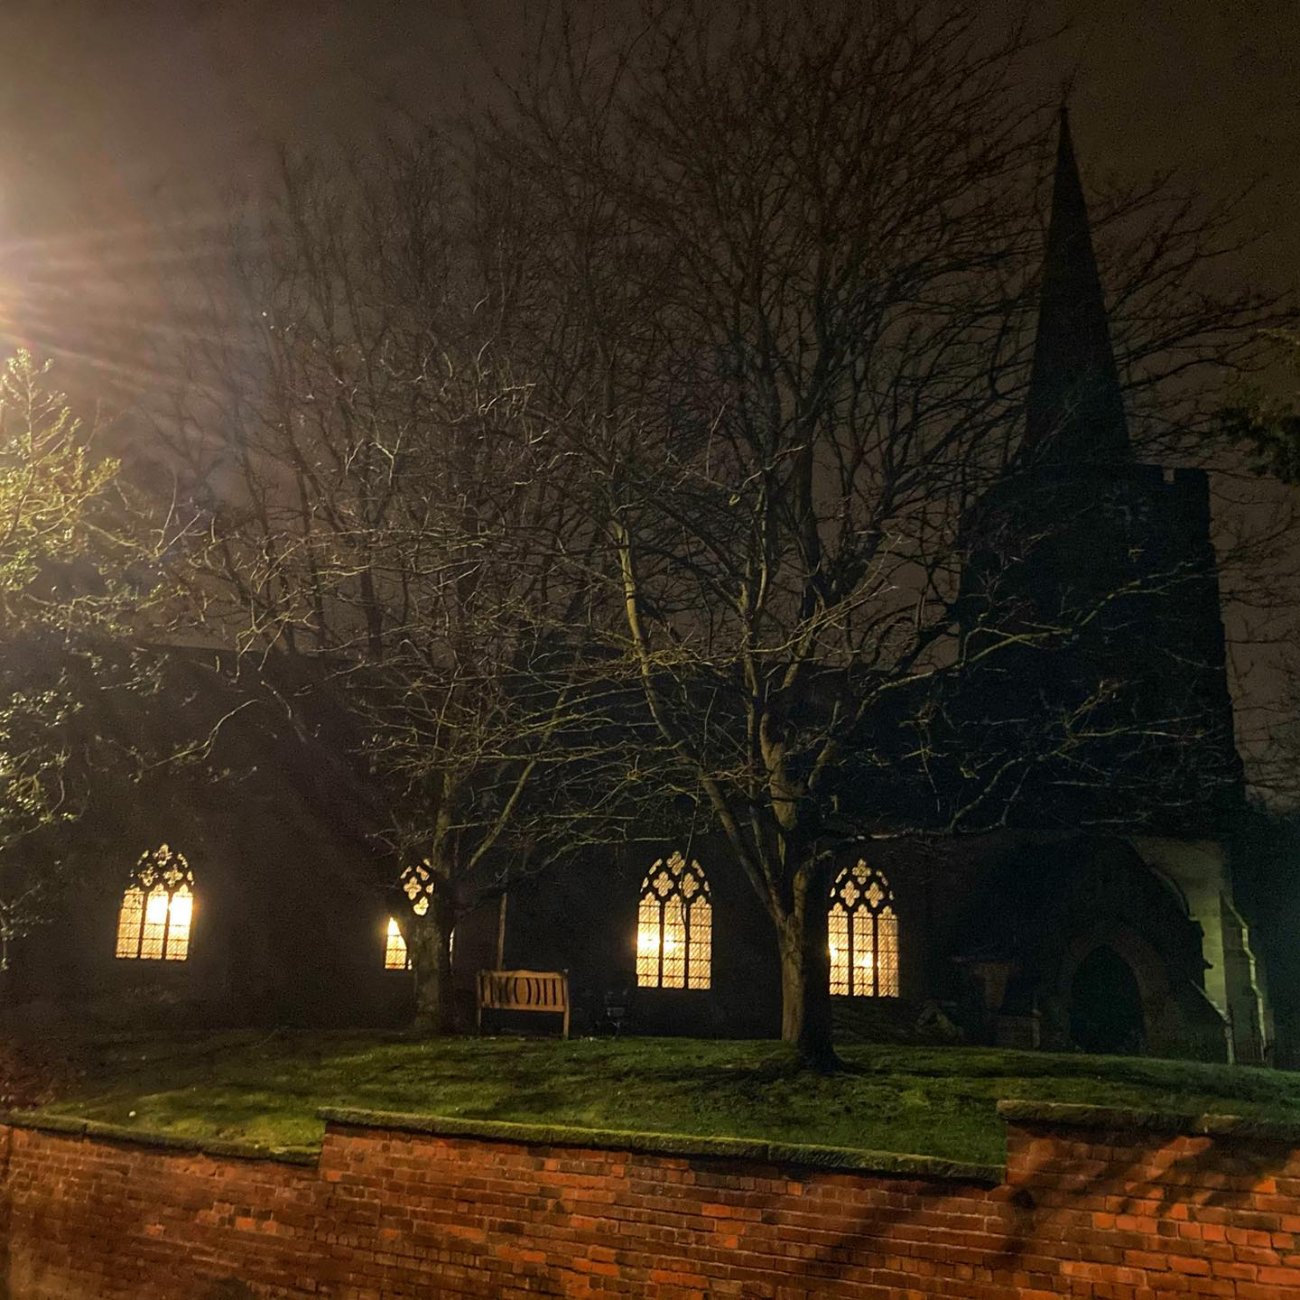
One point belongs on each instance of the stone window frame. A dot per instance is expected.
(863, 917)
(417, 884)
(163, 873)
(675, 906)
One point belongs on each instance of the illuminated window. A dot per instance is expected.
(417, 884)
(395, 955)
(157, 909)
(863, 935)
(674, 942)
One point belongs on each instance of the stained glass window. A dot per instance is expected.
(395, 955)
(674, 942)
(417, 883)
(153, 923)
(863, 934)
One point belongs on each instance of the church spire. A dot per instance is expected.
(1075, 411)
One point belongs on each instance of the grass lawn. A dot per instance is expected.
(937, 1101)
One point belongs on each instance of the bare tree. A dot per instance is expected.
(781, 269)
(1269, 424)
(385, 532)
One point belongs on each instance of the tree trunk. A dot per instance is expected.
(805, 984)
(429, 945)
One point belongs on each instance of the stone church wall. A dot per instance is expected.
(1092, 1203)
(991, 931)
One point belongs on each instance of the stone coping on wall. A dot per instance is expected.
(848, 1159)
(72, 1126)
(1060, 1114)
(845, 1159)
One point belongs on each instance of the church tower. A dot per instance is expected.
(1093, 610)
(1097, 574)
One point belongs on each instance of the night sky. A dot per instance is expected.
(103, 101)
(118, 117)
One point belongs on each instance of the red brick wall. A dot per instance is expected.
(1118, 1212)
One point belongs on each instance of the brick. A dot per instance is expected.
(1108, 1215)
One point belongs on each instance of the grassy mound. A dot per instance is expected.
(931, 1101)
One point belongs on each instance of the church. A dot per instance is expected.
(1069, 928)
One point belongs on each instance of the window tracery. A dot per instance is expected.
(157, 912)
(863, 934)
(396, 956)
(674, 927)
(417, 883)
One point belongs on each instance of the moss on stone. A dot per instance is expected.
(804, 1155)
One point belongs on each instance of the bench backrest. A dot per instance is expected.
(523, 990)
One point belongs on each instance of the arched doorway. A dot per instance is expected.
(1105, 1005)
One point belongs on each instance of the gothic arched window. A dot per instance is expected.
(396, 956)
(863, 934)
(674, 940)
(154, 921)
(417, 885)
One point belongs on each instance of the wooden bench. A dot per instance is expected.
(524, 990)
